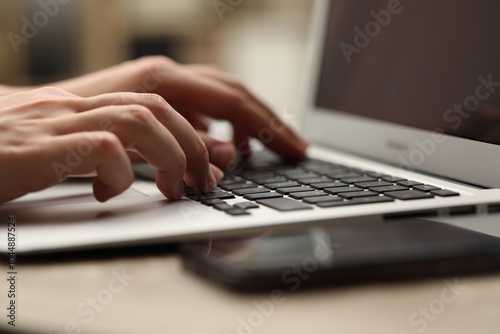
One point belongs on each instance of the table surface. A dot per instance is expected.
(154, 294)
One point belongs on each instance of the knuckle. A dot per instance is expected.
(49, 90)
(159, 105)
(156, 101)
(107, 143)
(157, 60)
(155, 65)
(48, 101)
(43, 108)
(140, 116)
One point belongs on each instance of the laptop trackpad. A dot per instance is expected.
(71, 192)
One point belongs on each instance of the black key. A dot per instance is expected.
(295, 173)
(230, 179)
(388, 188)
(392, 178)
(426, 187)
(357, 179)
(289, 190)
(323, 170)
(444, 193)
(297, 176)
(320, 199)
(341, 175)
(302, 195)
(409, 183)
(282, 185)
(373, 184)
(408, 195)
(309, 164)
(237, 212)
(284, 204)
(212, 202)
(357, 201)
(273, 179)
(238, 186)
(223, 207)
(310, 180)
(323, 185)
(243, 192)
(285, 171)
(196, 196)
(358, 194)
(218, 194)
(256, 174)
(340, 190)
(246, 205)
(254, 197)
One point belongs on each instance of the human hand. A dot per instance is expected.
(198, 92)
(48, 134)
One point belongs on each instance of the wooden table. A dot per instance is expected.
(154, 294)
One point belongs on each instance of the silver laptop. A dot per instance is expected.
(402, 105)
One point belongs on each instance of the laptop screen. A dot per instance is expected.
(427, 64)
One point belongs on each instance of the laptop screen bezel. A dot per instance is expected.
(410, 148)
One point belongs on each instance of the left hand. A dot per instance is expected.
(198, 93)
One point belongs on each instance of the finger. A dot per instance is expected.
(201, 124)
(198, 174)
(139, 131)
(227, 79)
(222, 101)
(76, 154)
(195, 118)
(135, 157)
(242, 141)
(222, 154)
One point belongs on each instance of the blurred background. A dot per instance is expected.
(261, 42)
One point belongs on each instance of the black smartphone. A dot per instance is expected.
(350, 253)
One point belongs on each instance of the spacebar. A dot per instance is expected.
(284, 204)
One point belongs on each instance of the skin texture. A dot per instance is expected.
(99, 124)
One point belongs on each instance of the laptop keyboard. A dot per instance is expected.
(308, 184)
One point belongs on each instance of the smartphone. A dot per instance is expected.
(340, 254)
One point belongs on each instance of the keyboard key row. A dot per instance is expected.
(314, 183)
(238, 209)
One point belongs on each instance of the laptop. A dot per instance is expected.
(401, 105)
